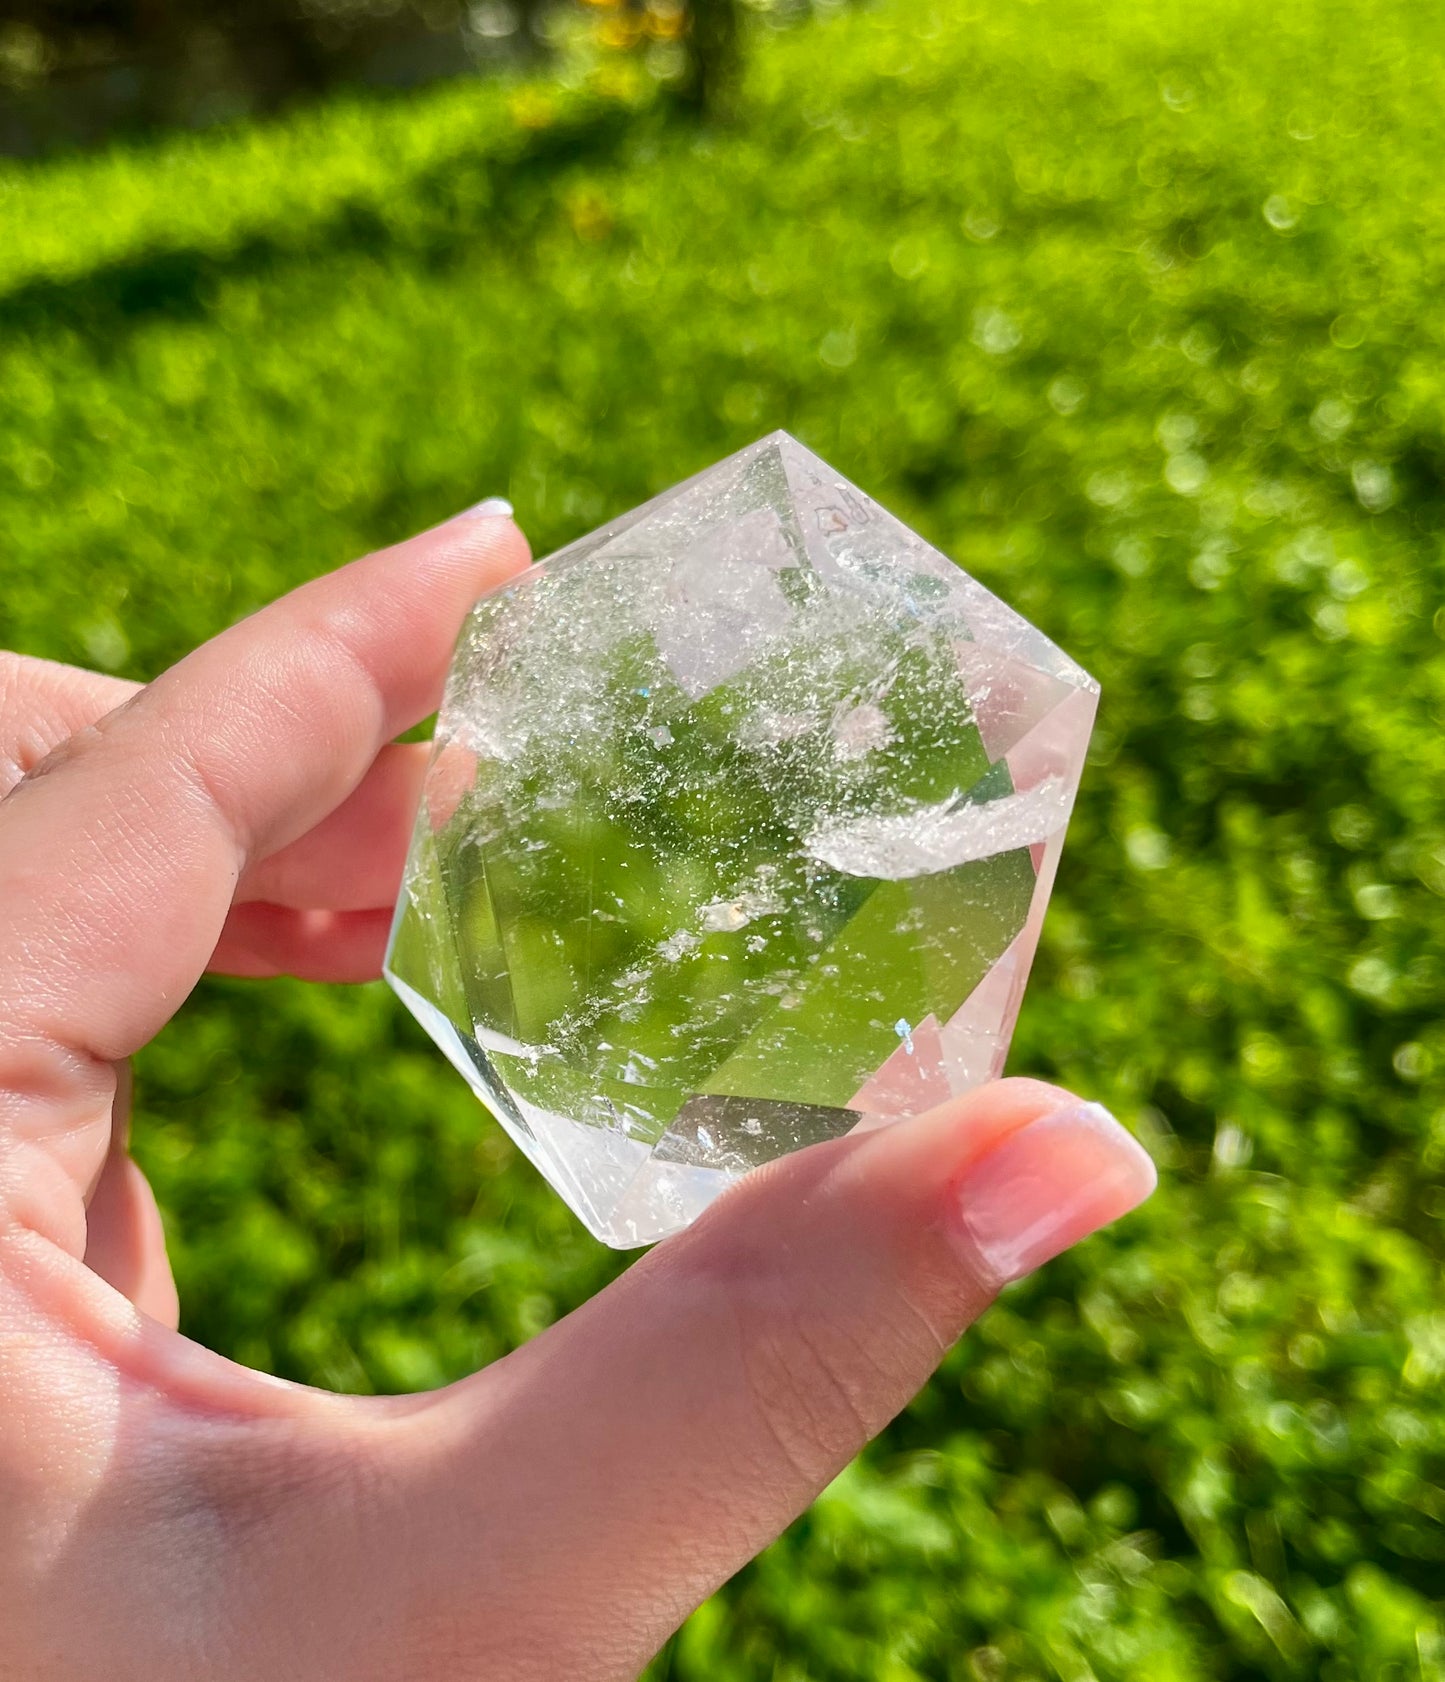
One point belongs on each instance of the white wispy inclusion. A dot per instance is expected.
(924, 839)
(738, 832)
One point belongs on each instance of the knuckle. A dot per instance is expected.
(18, 747)
(12, 670)
(803, 1395)
(40, 764)
(66, 753)
(824, 1373)
(826, 1340)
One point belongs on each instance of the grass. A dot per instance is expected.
(1138, 315)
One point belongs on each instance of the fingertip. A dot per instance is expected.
(1047, 1185)
(489, 537)
(1006, 1176)
(470, 553)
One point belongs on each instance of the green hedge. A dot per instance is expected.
(1135, 311)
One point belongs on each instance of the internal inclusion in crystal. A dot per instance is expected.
(740, 823)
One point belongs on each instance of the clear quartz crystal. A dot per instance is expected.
(738, 832)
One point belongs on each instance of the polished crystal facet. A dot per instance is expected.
(738, 832)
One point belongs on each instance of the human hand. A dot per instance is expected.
(170, 1515)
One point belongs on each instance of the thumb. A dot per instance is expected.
(682, 1418)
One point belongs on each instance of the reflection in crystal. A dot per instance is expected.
(735, 1134)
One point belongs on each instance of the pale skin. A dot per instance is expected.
(166, 1514)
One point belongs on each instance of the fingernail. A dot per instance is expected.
(492, 508)
(1048, 1185)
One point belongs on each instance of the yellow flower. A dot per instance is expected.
(620, 32)
(533, 108)
(666, 20)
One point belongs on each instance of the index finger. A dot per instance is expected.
(119, 856)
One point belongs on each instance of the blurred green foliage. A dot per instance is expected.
(1137, 312)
